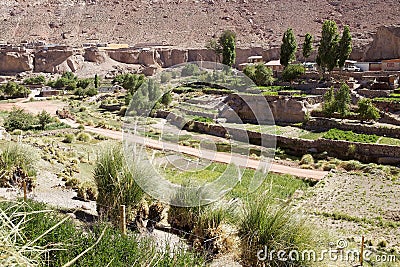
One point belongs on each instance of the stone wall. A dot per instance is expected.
(385, 154)
(387, 106)
(373, 93)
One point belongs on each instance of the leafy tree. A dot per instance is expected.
(344, 47)
(292, 72)
(130, 82)
(329, 101)
(307, 46)
(328, 46)
(19, 119)
(68, 75)
(260, 74)
(44, 118)
(367, 110)
(91, 91)
(288, 48)
(227, 41)
(40, 79)
(343, 99)
(216, 47)
(83, 83)
(13, 89)
(65, 83)
(79, 92)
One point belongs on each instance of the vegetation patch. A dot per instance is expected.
(335, 134)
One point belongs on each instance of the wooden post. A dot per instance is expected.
(25, 192)
(122, 217)
(362, 251)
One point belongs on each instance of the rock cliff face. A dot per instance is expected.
(15, 62)
(386, 44)
(251, 109)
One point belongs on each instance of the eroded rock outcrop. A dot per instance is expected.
(52, 60)
(252, 109)
(386, 44)
(95, 56)
(15, 62)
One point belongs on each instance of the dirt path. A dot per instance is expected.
(222, 157)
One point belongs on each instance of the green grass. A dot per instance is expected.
(66, 241)
(203, 119)
(389, 141)
(336, 134)
(278, 186)
(311, 136)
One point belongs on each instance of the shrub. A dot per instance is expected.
(165, 77)
(19, 119)
(276, 227)
(44, 118)
(190, 70)
(115, 181)
(166, 99)
(83, 137)
(351, 165)
(367, 110)
(307, 159)
(72, 182)
(260, 74)
(81, 127)
(69, 138)
(292, 72)
(18, 163)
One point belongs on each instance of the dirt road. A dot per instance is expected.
(222, 157)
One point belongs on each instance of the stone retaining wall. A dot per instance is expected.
(385, 154)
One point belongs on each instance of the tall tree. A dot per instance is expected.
(327, 52)
(345, 47)
(216, 47)
(227, 42)
(307, 46)
(288, 47)
(343, 99)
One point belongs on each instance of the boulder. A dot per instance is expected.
(15, 62)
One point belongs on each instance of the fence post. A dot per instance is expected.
(25, 191)
(122, 214)
(362, 251)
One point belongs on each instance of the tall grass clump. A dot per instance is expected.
(15, 248)
(17, 163)
(116, 183)
(34, 235)
(266, 224)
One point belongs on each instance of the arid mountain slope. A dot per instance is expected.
(186, 23)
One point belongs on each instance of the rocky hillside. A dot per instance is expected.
(185, 23)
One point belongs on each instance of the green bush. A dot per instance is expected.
(367, 110)
(351, 165)
(260, 74)
(69, 138)
(83, 137)
(292, 72)
(190, 70)
(165, 77)
(336, 134)
(19, 119)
